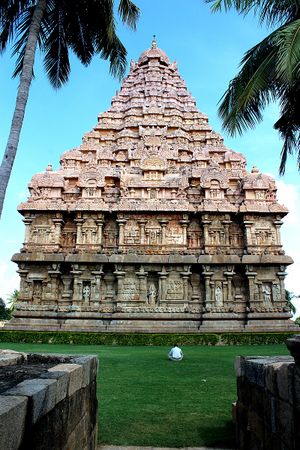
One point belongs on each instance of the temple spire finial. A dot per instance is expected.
(154, 42)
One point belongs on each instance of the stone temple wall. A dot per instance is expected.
(47, 401)
(267, 411)
(152, 224)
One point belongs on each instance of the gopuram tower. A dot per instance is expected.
(152, 224)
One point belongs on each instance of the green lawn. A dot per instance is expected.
(146, 399)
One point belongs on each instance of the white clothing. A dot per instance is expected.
(176, 354)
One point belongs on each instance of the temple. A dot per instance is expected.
(152, 224)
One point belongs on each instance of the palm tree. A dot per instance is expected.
(87, 27)
(270, 71)
(289, 296)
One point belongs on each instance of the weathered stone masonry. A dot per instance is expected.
(152, 223)
(47, 401)
(267, 410)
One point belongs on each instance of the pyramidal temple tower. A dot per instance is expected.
(152, 224)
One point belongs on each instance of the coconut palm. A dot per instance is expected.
(87, 27)
(270, 71)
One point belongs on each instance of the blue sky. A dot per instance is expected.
(207, 48)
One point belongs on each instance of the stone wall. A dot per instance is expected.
(47, 401)
(267, 411)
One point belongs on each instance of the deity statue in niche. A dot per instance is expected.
(219, 294)
(267, 294)
(152, 294)
(277, 292)
(37, 290)
(110, 234)
(215, 191)
(86, 293)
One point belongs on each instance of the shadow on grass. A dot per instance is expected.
(223, 437)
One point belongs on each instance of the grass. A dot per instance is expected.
(144, 399)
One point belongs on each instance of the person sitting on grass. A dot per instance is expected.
(175, 354)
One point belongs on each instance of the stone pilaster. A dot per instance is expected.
(251, 275)
(142, 276)
(226, 224)
(67, 291)
(142, 224)
(54, 274)
(281, 276)
(27, 222)
(79, 223)
(248, 239)
(277, 224)
(77, 283)
(58, 223)
(23, 277)
(96, 284)
(184, 223)
(99, 223)
(229, 274)
(185, 279)
(207, 273)
(163, 224)
(120, 277)
(162, 284)
(121, 223)
(206, 223)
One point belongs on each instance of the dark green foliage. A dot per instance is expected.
(297, 321)
(60, 337)
(269, 71)
(289, 296)
(5, 313)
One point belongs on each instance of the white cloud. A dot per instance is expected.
(9, 279)
(289, 195)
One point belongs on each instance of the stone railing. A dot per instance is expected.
(267, 411)
(47, 401)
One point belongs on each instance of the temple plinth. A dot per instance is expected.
(152, 224)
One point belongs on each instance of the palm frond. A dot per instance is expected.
(129, 13)
(251, 90)
(271, 12)
(288, 59)
(56, 60)
(79, 29)
(22, 37)
(288, 124)
(107, 43)
(11, 15)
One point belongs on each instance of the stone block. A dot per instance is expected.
(239, 366)
(12, 421)
(75, 375)
(62, 383)
(285, 378)
(89, 368)
(256, 424)
(78, 433)
(297, 387)
(285, 422)
(255, 371)
(270, 378)
(9, 357)
(41, 394)
(270, 412)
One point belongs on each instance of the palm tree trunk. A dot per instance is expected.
(21, 101)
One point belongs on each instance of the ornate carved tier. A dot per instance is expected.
(152, 224)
